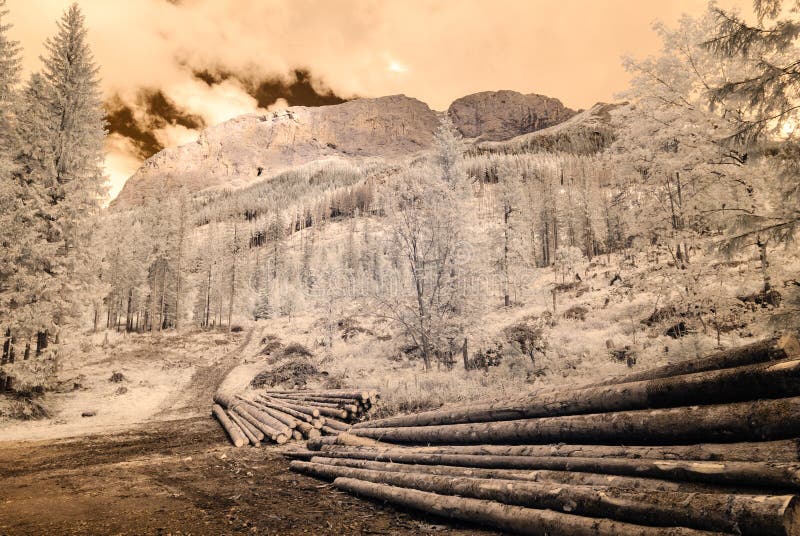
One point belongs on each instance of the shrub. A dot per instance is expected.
(576, 312)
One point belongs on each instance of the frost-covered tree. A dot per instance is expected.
(510, 198)
(770, 87)
(679, 176)
(424, 222)
(766, 96)
(450, 149)
(11, 206)
(61, 129)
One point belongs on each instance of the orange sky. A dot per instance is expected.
(434, 50)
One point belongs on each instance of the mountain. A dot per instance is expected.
(252, 147)
(586, 132)
(500, 115)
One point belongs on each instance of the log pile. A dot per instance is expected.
(281, 416)
(703, 447)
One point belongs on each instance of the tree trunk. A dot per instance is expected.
(465, 354)
(744, 421)
(771, 349)
(343, 396)
(576, 478)
(776, 451)
(247, 429)
(506, 238)
(313, 412)
(762, 255)
(208, 297)
(752, 515)
(283, 418)
(278, 436)
(41, 342)
(760, 475)
(323, 410)
(244, 424)
(264, 417)
(233, 279)
(764, 380)
(274, 405)
(234, 432)
(342, 427)
(514, 519)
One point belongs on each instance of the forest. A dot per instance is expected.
(692, 174)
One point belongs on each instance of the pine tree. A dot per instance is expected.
(264, 305)
(10, 202)
(450, 149)
(62, 130)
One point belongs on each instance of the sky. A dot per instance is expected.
(171, 67)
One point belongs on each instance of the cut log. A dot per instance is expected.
(775, 348)
(319, 422)
(297, 435)
(262, 417)
(253, 434)
(307, 430)
(338, 425)
(273, 405)
(752, 382)
(297, 407)
(344, 439)
(324, 399)
(287, 420)
(270, 432)
(330, 393)
(300, 454)
(774, 451)
(743, 421)
(223, 399)
(752, 515)
(231, 428)
(576, 478)
(310, 408)
(516, 519)
(763, 475)
(329, 431)
(247, 427)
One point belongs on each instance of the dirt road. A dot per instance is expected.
(178, 475)
(179, 478)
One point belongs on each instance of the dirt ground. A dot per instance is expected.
(180, 478)
(177, 474)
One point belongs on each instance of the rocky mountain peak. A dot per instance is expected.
(501, 115)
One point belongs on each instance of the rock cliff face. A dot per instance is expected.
(238, 152)
(248, 148)
(500, 115)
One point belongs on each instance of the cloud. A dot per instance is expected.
(212, 58)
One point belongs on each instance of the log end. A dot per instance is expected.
(791, 516)
(790, 345)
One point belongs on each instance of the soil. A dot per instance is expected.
(178, 475)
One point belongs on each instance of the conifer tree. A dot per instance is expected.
(9, 188)
(62, 130)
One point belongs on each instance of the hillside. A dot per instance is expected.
(249, 148)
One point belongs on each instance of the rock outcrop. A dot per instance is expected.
(500, 115)
(237, 152)
(252, 147)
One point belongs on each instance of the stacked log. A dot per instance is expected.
(282, 416)
(708, 446)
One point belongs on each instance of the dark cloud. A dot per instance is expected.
(301, 88)
(151, 111)
(121, 120)
(161, 111)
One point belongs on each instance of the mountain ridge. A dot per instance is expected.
(242, 150)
